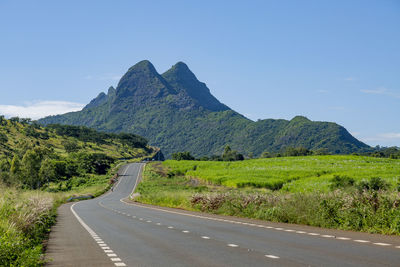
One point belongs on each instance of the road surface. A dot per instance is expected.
(111, 231)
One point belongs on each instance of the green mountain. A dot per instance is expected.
(177, 112)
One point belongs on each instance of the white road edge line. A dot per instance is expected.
(91, 232)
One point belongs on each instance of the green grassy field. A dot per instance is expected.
(343, 192)
(293, 174)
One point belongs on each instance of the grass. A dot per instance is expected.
(342, 192)
(293, 174)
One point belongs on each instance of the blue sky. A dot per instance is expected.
(327, 60)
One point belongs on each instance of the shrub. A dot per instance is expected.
(341, 181)
(182, 156)
(373, 184)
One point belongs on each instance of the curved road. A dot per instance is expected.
(111, 231)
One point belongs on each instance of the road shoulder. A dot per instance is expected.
(70, 244)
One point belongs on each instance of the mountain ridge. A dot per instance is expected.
(177, 112)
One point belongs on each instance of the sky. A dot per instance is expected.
(335, 61)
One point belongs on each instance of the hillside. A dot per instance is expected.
(177, 112)
(32, 156)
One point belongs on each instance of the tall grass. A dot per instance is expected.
(25, 220)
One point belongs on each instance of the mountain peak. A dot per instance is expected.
(111, 91)
(143, 65)
(185, 82)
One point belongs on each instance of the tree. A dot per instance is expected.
(70, 146)
(299, 151)
(30, 166)
(266, 154)
(3, 138)
(182, 156)
(4, 171)
(97, 163)
(47, 172)
(231, 155)
(15, 165)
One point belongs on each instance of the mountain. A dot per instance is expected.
(177, 112)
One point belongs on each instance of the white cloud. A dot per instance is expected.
(104, 77)
(390, 135)
(381, 91)
(385, 139)
(39, 109)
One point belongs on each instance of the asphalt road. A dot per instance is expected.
(111, 231)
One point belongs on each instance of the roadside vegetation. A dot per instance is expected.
(344, 192)
(42, 167)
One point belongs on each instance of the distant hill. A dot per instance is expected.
(18, 135)
(32, 156)
(177, 112)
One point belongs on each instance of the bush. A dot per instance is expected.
(373, 184)
(70, 146)
(341, 181)
(182, 156)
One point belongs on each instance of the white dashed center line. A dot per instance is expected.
(328, 236)
(233, 245)
(382, 244)
(205, 237)
(272, 256)
(361, 241)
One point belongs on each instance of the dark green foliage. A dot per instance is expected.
(182, 156)
(231, 155)
(3, 138)
(96, 163)
(177, 112)
(70, 146)
(295, 152)
(343, 181)
(373, 184)
(86, 134)
(386, 152)
(130, 139)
